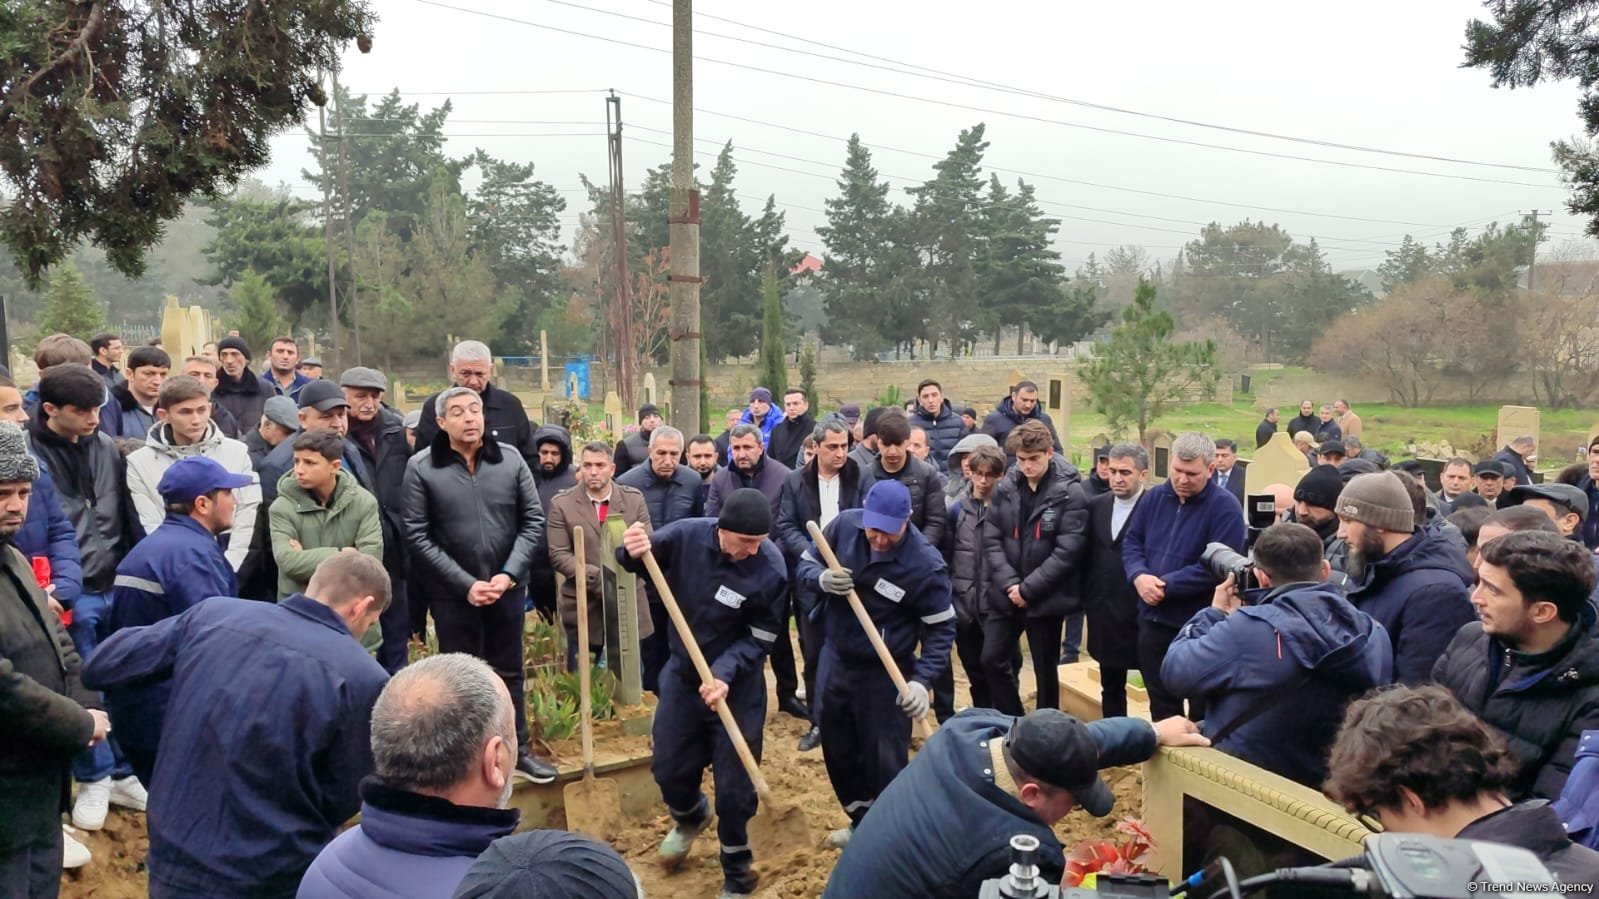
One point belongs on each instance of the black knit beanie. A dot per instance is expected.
(746, 512)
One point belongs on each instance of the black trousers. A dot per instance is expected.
(813, 634)
(1154, 639)
(1113, 692)
(493, 633)
(783, 670)
(1000, 633)
(654, 649)
(395, 650)
(33, 870)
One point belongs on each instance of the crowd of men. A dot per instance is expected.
(211, 550)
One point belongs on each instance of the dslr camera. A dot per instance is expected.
(1221, 561)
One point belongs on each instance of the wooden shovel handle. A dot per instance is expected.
(693, 647)
(855, 604)
(580, 552)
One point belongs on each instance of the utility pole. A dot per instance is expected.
(327, 230)
(1532, 252)
(622, 303)
(684, 230)
(352, 295)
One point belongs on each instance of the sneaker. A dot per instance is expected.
(838, 839)
(94, 800)
(535, 769)
(73, 853)
(129, 793)
(811, 740)
(799, 692)
(678, 842)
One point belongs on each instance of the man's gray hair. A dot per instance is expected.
(665, 432)
(744, 430)
(1133, 451)
(834, 424)
(450, 393)
(432, 720)
(471, 351)
(1191, 446)
(1524, 440)
(1353, 442)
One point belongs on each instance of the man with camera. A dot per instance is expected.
(1277, 655)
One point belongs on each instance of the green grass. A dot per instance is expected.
(1389, 429)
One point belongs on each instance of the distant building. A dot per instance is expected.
(809, 265)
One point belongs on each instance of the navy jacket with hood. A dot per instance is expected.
(264, 745)
(1302, 642)
(999, 423)
(47, 532)
(407, 844)
(1165, 537)
(1590, 525)
(906, 592)
(1420, 595)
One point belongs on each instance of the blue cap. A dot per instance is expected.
(197, 476)
(887, 507)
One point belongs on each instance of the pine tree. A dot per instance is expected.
(948, 234)
(1140, 373)
(69, 306)
(774, 362)
(1020, 274)
(864, 278)
(255, 308)
(807, 371)
(731, 266)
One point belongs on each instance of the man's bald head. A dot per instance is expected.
(441, 727)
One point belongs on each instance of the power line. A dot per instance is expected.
(980, 109)
(969, 81)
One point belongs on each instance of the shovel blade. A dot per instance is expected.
(593, 808)
(780, 829)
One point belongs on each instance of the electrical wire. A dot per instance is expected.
(980, 109)
(967, 80)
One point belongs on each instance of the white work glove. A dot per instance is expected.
(914, 702)
(838, 583)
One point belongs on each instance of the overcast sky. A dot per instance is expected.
(1380, 75)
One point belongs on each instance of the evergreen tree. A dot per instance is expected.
(729, 310)
(255, 309)
(774, 360)
(947, 231)
(69, 305)
(276, 237)
(1020, 275)
(1406, 265)
(515, 226)
(807, 371)
(1139, 374)
(869, 251)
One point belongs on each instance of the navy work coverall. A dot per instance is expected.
(732, 608)
(866, 738)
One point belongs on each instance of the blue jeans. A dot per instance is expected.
(91, 615)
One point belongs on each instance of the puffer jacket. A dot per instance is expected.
(999, 423)
(1418, 593)
(773, 416)
(1302, 643)
(955, 482)
(350, 519)
(465, 526)
(407, 844)
(91, 478)
(929, 511)
(1540, 704)
(42, 707)
(944, 430)
(47, 533)
(631, 451)
(1042, 551)
(148, 463)
(968, 567)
